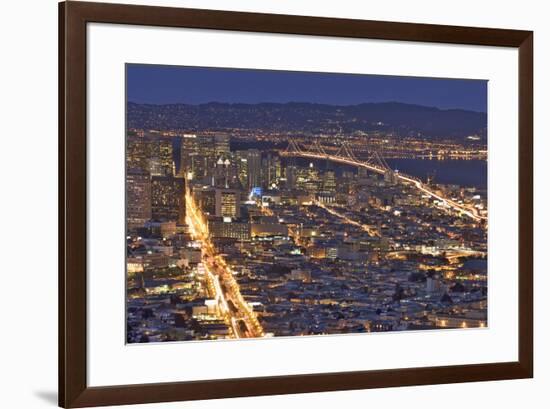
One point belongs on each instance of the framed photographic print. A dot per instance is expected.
(257, 204)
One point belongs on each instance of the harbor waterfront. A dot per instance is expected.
(472, 173)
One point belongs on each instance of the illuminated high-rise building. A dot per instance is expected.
(221, 146)
(221, 173)
(137, 152)
(254, 161)
(138, 198)
(308, 179)
(241, 165)
(189, 148)
(160, 160)
(271, 170)
(168, 198)
(290, 174)
(206, 199)
(329, 181)
(228, 203)
(197, 164)
(204, 161)
(277, 168)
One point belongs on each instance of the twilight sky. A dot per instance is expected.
(159, 84)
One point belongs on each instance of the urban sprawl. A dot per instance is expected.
(287, 235)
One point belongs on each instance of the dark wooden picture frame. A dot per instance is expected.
(73, 388)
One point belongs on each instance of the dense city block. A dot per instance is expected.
(239, 233)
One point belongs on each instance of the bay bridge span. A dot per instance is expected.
(375, 163)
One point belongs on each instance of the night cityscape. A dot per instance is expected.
(252, 211)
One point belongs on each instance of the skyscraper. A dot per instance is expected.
(138, 198)
(221, 146)
(221, 173)
(308, 179)
(204, 161)
(161, 160)
(168, 198)
(228, 203)
(271, 170)
(329, 181)
(189, 148)
(254, 161)
(241, 164)
(207, 200)
(291, 176)
(137, 152)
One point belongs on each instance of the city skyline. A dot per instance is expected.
(268, 222)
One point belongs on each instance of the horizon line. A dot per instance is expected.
(304, 102)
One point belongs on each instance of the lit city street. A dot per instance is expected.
(218, 270)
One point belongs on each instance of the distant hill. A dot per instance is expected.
(406, 119)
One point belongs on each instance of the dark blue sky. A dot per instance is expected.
(158, 84)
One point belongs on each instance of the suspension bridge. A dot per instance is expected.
(374, 162)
